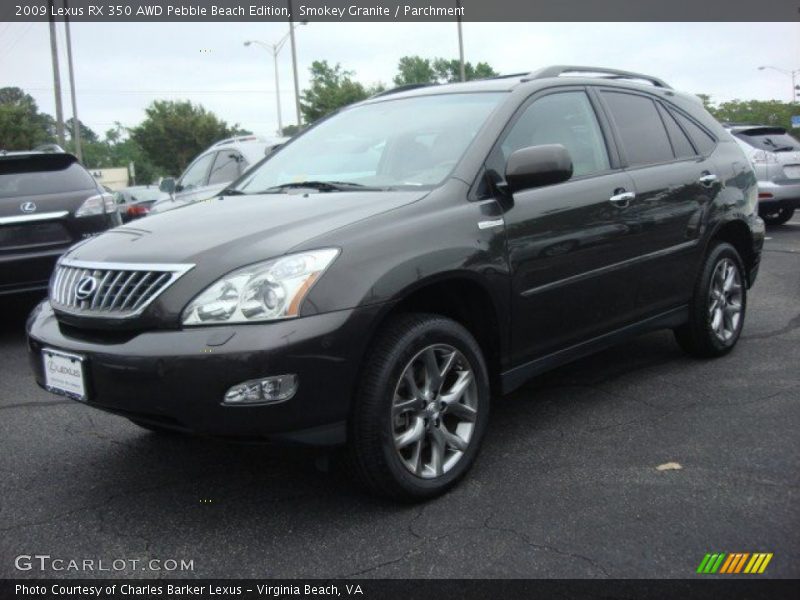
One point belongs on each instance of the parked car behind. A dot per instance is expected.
(48, 202)
(380, 298)
(215, 168)
(775, 156)
(135, 202)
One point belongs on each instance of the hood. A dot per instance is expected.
(229, 232)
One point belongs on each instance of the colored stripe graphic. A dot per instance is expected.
(734, 563)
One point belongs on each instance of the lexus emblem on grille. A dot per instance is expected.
(86, 287)
(27, 207)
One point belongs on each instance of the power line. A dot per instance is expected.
(83, 91)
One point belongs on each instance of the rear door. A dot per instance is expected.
(674, 181)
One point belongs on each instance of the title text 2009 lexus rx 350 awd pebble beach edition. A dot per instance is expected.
(383, 275)
(48, 201)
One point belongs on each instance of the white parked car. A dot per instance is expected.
(214, 169)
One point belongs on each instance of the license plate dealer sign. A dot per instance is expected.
(63, 373)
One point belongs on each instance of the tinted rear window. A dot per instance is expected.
(702, 141)
(42, 175)
(643, 135)
(770, 139)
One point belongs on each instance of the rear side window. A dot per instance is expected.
(702, 141)
(680, 142)
(226, 168)
(43, 175)
(641, 130)
(771, 139)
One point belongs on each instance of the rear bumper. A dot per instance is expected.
(27, 272)
(178, 378)
(782, 194)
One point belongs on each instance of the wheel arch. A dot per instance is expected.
(463, 297)
(736, 233)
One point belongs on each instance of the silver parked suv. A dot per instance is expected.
(214, 169)
(776, 160)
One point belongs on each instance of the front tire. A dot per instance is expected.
(776, 216)
(717, 308)
(421, 410)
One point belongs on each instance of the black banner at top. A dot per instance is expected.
(400, 10)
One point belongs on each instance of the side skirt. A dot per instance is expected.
(515, 377)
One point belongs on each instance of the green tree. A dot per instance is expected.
(756, 112)
(87, 135)
(331, 88)
(449, 70)
(174, 132)
(290, 130)
(414, 69)
(22, 126)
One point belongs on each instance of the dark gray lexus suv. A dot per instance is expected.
(383, 275)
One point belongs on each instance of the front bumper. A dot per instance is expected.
(177, 378)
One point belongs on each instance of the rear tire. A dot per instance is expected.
(421, 409)
(718, 305)
(776, 216)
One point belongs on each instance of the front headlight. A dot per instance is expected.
(265, 291)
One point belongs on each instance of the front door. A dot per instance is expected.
(568, 244)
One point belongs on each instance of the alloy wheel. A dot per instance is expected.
(434, 411)
(725, 300)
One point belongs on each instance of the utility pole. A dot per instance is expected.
(56, 78)
(294, 68)
(460, 43)
(76, 126)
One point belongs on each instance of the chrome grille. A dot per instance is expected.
(110, 290)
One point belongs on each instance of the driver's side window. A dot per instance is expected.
(565, 118)
(197, 173)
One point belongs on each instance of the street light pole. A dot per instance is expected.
(56, 78)
(294, 68)
(275, 50)
(277, 90)
(76, 124)
(460, 44)
(793, 74)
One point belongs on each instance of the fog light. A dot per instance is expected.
(262, 391)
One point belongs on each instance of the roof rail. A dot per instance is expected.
(557, 70)
(402, 88)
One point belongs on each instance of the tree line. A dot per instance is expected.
(174, 132)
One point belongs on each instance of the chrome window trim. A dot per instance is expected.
(174, 270)
(35, 217)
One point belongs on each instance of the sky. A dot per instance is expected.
(120, 68)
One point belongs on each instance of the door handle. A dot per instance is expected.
(708, 179)
(621, 198)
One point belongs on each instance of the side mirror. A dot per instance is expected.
(167, 185)
(536, 166)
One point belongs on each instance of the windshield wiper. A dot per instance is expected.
(231, 192)
(322, 186)
(784, 149)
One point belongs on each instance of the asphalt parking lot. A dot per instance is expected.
(566, 486)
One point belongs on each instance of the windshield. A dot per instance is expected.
(771, 140)
(391, 144)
